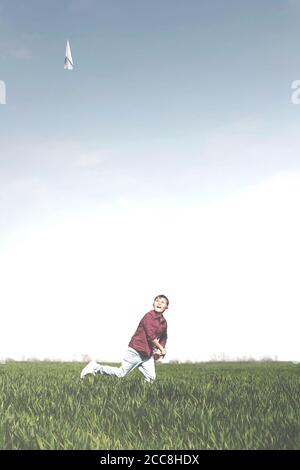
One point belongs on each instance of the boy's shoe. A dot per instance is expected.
(91, 368)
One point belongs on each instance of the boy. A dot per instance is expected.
(147, 343)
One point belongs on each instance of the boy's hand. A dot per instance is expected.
(157, 354)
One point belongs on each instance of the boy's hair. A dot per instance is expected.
(162, 297)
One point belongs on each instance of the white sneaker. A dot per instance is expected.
(91, 368)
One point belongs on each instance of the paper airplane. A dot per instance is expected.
(68, 59)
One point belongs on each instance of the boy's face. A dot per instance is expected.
(160, 305)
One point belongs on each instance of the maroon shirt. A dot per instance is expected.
(152, 326)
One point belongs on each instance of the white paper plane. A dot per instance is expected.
(68, 59)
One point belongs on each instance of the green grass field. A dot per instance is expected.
(190, 406)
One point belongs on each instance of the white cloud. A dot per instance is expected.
(60, 178)
(53, 177)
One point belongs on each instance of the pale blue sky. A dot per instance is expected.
(174, 107)
(144, 70)
(153, 84)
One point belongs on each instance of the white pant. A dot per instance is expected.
(132, 359)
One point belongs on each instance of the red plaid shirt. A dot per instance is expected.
(152, 326)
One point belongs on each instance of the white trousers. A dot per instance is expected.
(131, 360)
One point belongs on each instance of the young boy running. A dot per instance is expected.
(146, 345)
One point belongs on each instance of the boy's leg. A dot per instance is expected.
(147, 368)
(131, 360)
